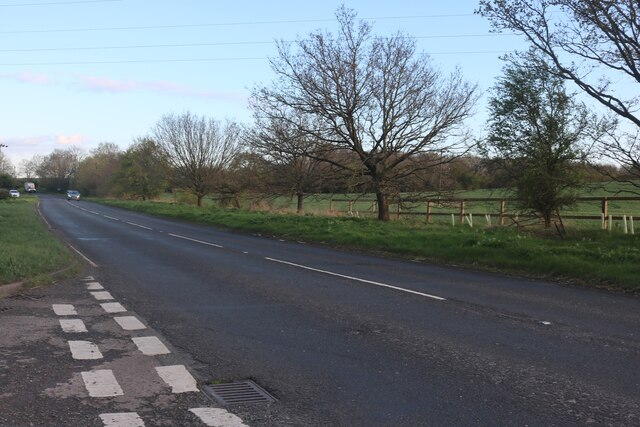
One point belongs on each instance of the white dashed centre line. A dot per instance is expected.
(123, 419)
(370, 282)
(195, 240)
(129, 323)
(72, 325)
(113, 307)
(138, 225)
(102, 296)
(110, 217)
(150, 346)
(101, 383)
(64, 310)
(84, 350)
(94, 286)
(178, 378)
(217, 417)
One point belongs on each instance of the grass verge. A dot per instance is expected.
(588, 257)
(28, 251)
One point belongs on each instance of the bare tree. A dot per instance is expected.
(58, 167)
(289, 153)
(197, 148)
(29, 167)
(592, 43)
(372, 96)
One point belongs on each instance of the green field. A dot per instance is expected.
(28, 251)
(590, 257)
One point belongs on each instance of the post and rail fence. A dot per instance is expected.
(457, 209)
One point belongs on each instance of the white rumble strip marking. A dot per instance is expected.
(122, 419)
(150, 346)
(178, 378)
(102, 295)
(217, 417)
(94, 286)
(84, 350)
(129, 323)
(72, 325)
(101, 383)
(113, 307)
(64, 310)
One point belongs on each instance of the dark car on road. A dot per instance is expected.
(73, 195)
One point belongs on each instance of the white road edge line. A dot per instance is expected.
(384, 285)
(195, 240)
(91, 263)
(111, 217)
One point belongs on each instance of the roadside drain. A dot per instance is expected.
(238, 393)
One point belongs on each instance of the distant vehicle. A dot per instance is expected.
(73, 195)
(29, 187)
(14, 193)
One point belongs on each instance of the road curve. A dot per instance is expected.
(349, 339)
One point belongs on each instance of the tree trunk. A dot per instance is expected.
(383, 205)
(200, 197)
(300, 209)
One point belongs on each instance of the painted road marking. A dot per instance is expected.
(101, 296)
(64, 310)
(195, 240)
(84, 350)
(72, 325)
(129, 323)
(113, 307)
(178, 378)
(150, 346)
(370, 282)
(110, 217)
(94, 286)
(91, 263)
(122, 419)
(217, 417)
(89, 278)
(138, 225)
(101, 383)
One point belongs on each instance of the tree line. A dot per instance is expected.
(353, 111)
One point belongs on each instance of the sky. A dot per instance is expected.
(78, 73)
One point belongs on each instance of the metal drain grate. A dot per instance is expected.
(238, 392)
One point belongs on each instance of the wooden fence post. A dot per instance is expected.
(398, 211)
(502, 208)
(429, 204)
(605, 211)
(331, 205)
(462, 211)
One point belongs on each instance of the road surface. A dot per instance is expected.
(347, 339)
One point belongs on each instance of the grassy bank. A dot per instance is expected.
(28, 251)
(590, 257)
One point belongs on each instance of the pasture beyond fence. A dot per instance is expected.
(495, 211)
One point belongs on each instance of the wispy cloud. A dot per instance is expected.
(29, 78)
(75, 139)
(105, 84)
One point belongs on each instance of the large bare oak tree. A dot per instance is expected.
(374, 97)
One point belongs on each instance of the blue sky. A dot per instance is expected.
(77, 73)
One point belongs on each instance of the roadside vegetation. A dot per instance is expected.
(588, 257)
(28, 251)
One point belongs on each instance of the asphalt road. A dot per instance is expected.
(348, 339)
